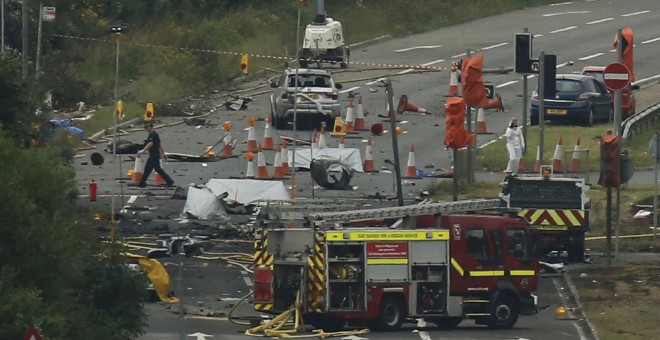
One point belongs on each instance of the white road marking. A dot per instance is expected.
(417, 47)
(132, 199)
(635, 13)
(562, 64)
(563, 29)
(599, 21)
(506, 84)
(537, 35)
(457, 55)
(650, 40)
(494, 46)
(562, 13)
(561, 3)
(246, 278)
(641, 81)
(591, 56)
(424, 335)
(433, 62)
(349, 90)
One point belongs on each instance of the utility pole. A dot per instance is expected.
(24, 35)
(541, 95)
(525, 108)
(2, 23)
(395, 145)
(470, 150)
(617, 132)
(41, 19)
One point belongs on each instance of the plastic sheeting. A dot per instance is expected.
(203, 204)
(349, 156)
(247, 191)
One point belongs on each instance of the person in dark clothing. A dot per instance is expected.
(155, 152)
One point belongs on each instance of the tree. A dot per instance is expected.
(16, 113)
(54, 273)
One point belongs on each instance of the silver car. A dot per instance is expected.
(317, 98)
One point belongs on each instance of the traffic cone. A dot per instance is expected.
(267, 143)
(481, 122)
(137, 169)
(495, 103)
(405, 105)
(537, 166)
(228, 148)
(338, 129)
(315, 141)
(249, 173)
(556, 158)
(453, 81)
(277, 163)
(368, 165)
(359, 120)
(411, 170)
(262, 170)
(252, 138)
(322, 142)
(350, 119)
(575, 161)
(285, 158)
(341, 142)
(158, 178)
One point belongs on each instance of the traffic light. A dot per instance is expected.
(455, 135)
(550, 76)
(610, 161)
(120, 110)
(149, 113)
(244, 63)
(523, 53)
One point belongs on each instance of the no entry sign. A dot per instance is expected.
(616, 76)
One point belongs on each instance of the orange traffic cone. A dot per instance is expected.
(411, 170)
(575, 161)
(228, 148)
(359, 120)
(495, 103)
(137, 169)
(556, 158)
(267, 143)
(350, 119)
(341, 142)
(249, 173)
(481, 122)
(158, 178)
(252, 138)
(262, 170)
(405, 105)
(285, 158)
(453, 81)
(537, 166)
(277, 163)
(368, 165)
(322, 142)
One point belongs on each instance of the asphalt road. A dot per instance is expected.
(580, 31)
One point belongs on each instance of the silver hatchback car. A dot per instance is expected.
(317, 98)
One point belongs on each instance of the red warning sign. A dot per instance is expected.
(387, 249)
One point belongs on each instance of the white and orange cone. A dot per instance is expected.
(158, 178)
(267, 143)
(453, 81)
(315, 140)
(228, 148)
(359, 120)
(411, 169)
(262, 169)
(537, 165)
(285, 158)
(137, 169)
(322, 143)
(341, 142)
(495, 103)
(556, 158)
(575, 160)
(481, 122)
(277, 163)
(368, 164)
(350, 119)
(249, 173)
(252, 138)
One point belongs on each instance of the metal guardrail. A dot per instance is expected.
(640, 122)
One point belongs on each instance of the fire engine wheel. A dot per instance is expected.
(504, 313)
(447, 323)
(391, 314)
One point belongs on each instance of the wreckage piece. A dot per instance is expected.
(323, 176)
(182, 157)
(124, 147)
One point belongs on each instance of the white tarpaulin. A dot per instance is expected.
(203, 204)
(349, 156)
(246, 191)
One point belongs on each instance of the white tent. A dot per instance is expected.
(349, 156)
(247, 191)
(203, 204)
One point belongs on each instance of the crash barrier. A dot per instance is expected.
(643, 121)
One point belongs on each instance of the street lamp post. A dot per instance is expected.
(117, 32)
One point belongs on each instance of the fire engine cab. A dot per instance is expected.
(422, 261)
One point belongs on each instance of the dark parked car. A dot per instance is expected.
(317, 98)
(627, 95)
(580, 98)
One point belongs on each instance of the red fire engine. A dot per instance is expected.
(422, 261)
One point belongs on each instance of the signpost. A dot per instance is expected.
(654, 151)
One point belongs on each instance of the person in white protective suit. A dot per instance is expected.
(514, 145)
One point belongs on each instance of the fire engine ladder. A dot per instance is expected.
(320, 218)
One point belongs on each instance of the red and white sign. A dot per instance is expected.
(32, 334)
(387, 249)
(48, 14)
(616, 76)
